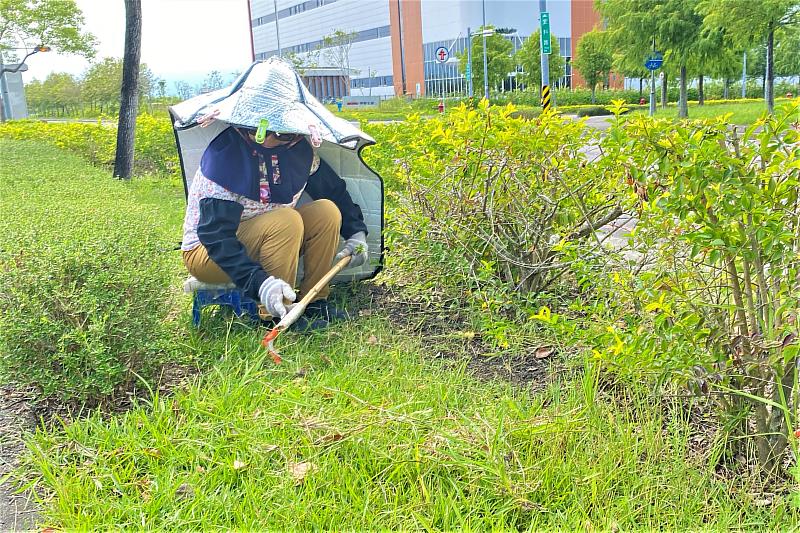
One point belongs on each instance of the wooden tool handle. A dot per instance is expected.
(299, 307)
(308, 298)
(338, 267)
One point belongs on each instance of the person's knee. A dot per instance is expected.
(291, 224)
(327, 213)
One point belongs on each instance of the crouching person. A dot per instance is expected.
(243, 224)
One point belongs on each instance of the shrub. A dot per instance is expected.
(84, 277)
(720, 215)
(500, 198)
(155, 142)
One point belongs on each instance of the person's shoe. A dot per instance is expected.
(305, 324)
(325, 310)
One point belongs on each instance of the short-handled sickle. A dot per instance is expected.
(298, 308)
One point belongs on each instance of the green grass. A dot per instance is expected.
(391, 435)
(743, 113)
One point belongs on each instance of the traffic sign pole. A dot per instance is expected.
(544, 28)
(653, 84)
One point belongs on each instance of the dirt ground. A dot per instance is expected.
(17, 512)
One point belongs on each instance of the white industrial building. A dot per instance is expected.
(394, 40)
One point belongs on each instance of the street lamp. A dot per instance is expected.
(483, 33)
(6, 107)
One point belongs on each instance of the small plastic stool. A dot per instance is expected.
(205, 294)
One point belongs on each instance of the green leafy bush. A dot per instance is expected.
(85, 277)
(720, 297)
(501, 198)
(155, 142)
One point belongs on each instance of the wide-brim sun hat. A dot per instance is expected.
(271, 91)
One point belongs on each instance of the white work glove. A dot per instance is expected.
(272, 292)
(357, 247)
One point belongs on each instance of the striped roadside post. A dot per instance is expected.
(546, 97)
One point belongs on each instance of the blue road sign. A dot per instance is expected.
(654, 61)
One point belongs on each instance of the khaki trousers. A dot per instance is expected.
(276, 239)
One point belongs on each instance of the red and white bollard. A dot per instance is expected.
(441, 106)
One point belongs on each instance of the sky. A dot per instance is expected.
(181, 39)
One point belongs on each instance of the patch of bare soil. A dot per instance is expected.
(17, 416)
(444, 331)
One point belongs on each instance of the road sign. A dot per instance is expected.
(442, 54)
(544, 26)
(468, 72)
(654, 61)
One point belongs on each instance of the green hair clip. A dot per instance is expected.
(261, 132)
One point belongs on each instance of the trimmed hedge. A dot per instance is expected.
(96, 141)
(85, 277)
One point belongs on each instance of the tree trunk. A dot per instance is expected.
(664, 92)
(683, 105)
(701, 97)
(593, 89)
(641, 88)
(725, 87)
(129, 98)
(769, 90)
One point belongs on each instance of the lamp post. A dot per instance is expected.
(483, 33)
(6, 107)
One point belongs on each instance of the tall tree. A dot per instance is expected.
(102, 83)
(675, 25)
(750, 22)
(336, 51)
(593, 59)
(498, 59)
(213, 81)
(57, 24)
(529, 57)
(129, 98)
(184, 90)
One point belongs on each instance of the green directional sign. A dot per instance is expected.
(544, 26)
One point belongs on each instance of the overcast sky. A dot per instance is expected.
(181, 39)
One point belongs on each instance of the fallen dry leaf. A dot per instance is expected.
(543, 352)
(269, 448)
(372, 339)
(326, 359)
(301, 372)
(239, 465)
(200, 469)
(299, 471)
(329, 439)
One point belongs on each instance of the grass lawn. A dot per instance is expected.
(366, 426)
(743, 113)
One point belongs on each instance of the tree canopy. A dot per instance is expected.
(529, 57)
(748, 22)
(57, 24)
(593, 59)
(498, 59)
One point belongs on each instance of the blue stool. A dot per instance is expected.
(205, 294)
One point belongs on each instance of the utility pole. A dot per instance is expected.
(485, 69)
(277, 29)
(544, 32)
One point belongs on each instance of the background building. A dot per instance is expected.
(393, 41)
